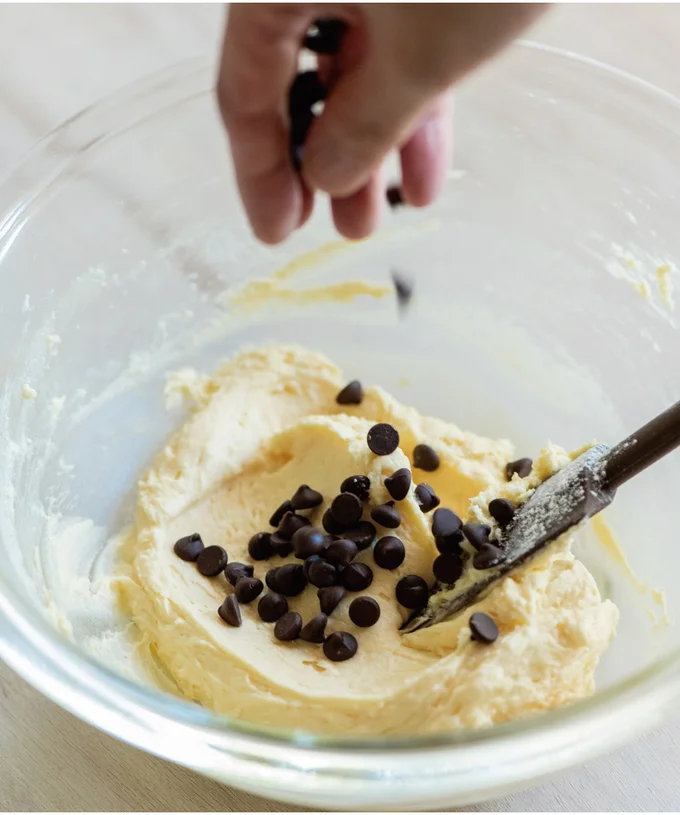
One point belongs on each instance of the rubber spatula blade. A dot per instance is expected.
(578, 491)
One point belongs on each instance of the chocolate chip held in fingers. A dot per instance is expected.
(364, 612)
(426, 497)
(288, 627)
(260, 546)
(315, 629)
(346, 508)
(340, 646)
(357, 577)
(189, 548)
(359, 485)
(483, 628)
(211, 561)
(398, 484)
(277, 517)
(386, 515)
(325, 37)
(389, 552)
(230, 612)
(412, 591)
(382, 439)
(247, 589)
(236, 570)
(501, 510)
(521, 467)
(351, 394)
(330, 597)
(272, 607)
(425, 458)
(362, 534)
(306, 498)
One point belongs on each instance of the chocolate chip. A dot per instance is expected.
(362, 534)
(247, 589)
(322, 573)
(330, 524)
(296, 150)
(445, 523)
(306, 498)
(425, 458)
(308, 541)
(288, 627)
(290, 524)
(477, 534)
(277, 517)
(260, 546)
(230, 612)
(426, 497)
(386, 515)
(450, 545)
(329, 598)
(306, 566)
(483, 627)
(351, 394)
(357, 577)
(189, 548)
(315, 629)
(395, 197)
(280, 546)
(305, 91)
(399, 483)
(358, 485)
(340, 646)
(326, 36)
(389, 552)
(447, 569)
(522, 467)
(346, 509)
(211, 561)
(271, 578)
(412, 591)
(342, 552)
(501, 510)
(290, 580)
(364, 612)
(403, 286)
(236, 570)
(272, 607)
(382, 439)
(488, 556)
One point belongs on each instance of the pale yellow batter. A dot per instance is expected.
(267, 422)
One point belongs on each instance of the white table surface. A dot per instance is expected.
(56, 60)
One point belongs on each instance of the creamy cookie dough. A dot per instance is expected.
(266, 423)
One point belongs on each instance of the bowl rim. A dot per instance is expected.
(144, 716)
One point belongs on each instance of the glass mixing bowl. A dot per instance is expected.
(543, 311)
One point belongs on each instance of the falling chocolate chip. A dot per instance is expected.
(394, 196)
(447, 569)
(189, 548)
(362, 534)
(425, 458)
(389, 552)
(483, 628)
(445, 522)
(386, 515)
(290, 524)
(280, 546)
(308, 541)
(403, 287)
(426, 497)
(351, 394)
(342, 552)
(329, 598)
(399, 483)
(330, 524)
(382, 439)
(322, 574)
(477, 534)
(211, 561)
(271, 578)
(501, 510)
(346, 509)
(521, 467)
(450, 544)
(230, 612)
(326, 36)
(340, 646)
(488, 556)
(305, 91)
(277, 517)
(364, 612)
(358, 485)
(315, 629)
(357, 577)
(288, 627)
(290, 580)
(306, 498)
(247, 589)
(412, 591)
(236, 570)
(260, 546)
(272, 607)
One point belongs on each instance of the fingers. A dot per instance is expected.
(357, 216)
(426, 156)
(259, 61)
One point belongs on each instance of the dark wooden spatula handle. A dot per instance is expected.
(642, 448)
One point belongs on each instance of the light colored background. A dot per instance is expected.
(56, 60)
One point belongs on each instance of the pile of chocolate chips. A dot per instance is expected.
(328, 553)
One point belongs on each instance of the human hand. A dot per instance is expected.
(388, 87)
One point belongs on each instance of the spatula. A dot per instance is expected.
(578, 491)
